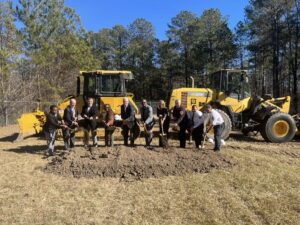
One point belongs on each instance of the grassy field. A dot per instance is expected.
(262, 188)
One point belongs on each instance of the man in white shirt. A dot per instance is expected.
(217, 122)
(197, 125)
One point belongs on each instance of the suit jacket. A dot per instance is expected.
(52, 122)
(180, 116)
(69, 118)
(91, 113)
(128, 113)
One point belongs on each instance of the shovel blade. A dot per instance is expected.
(164, 141)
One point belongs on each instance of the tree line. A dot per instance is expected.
(43, 45)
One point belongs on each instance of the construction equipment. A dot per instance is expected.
(229, 92)
(106, 87)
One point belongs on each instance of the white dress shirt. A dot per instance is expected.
(216, 118)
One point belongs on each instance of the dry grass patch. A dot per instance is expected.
(263, 188)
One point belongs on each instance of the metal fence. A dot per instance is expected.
(14, 109)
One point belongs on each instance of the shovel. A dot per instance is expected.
(204, 137)
(203, 142)
(147, 132)
(163, 136)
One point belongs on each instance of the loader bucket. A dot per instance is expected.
(31, 124)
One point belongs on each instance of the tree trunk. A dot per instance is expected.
(210, 52)
(186, 66)
(275, 71)
(242, 57)
(296, 67)
(120, 54)
(6, 116)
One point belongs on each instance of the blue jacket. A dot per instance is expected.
(69, 117)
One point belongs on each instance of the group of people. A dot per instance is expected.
(70, 123)
(194, 121)
(198, 124)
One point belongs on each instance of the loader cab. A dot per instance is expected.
(102, 83)
(105, 86)
(233, 83)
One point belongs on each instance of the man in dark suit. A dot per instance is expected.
(128, 117)
(89, 113)
(71, 120)
(53, 122)
(181, 120)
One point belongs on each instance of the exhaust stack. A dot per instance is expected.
(193, 81)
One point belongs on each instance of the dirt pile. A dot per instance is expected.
(135, 163)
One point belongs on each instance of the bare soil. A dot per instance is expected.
(136, 163)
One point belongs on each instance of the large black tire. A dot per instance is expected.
(227, 126)
(279, 128)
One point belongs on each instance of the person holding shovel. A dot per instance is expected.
(89, 113)
(71, 120)
(197, 125)
(109, 125)
(128, 118)
(53, 123)
(181, 121)
(216, 122)
(164, 120)
(148, 121)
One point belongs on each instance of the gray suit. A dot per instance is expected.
(148, 119)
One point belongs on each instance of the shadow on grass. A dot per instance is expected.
(9, 138)
(14, 137)
(242, 137)
(36, 149)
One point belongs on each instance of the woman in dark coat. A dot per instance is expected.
(163, 115)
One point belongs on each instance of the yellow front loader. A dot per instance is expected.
(106, 87)
(229, 92)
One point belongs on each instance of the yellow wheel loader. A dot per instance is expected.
(106, 87)
(229, 92)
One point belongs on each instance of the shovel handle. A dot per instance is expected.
(161, 125)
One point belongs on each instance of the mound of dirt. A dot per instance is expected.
(135, 163)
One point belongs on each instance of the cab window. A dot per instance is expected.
(111, 84)
(89, 85)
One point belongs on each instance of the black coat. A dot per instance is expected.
(91, 113)
(164, 112)
(180, 116)
(89, 124)
(68, 116)
(129, 113)
(52, 122)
